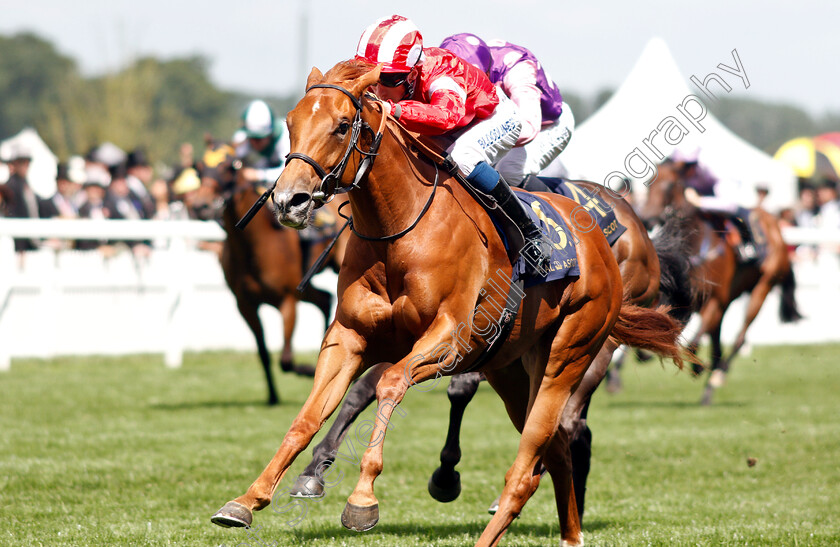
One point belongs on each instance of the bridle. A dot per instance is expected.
(329, 187)
(329, 181)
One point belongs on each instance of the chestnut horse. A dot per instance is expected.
(639, 261)
(263, 263)
(718, 276)
(423, 256)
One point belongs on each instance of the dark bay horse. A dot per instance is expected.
(423, 256)
(639, 261)
(717, 274)
(263, 263)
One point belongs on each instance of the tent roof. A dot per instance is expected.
(648, 96)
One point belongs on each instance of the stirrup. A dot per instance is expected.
(537, 255)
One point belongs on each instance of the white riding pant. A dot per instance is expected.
(489, 139)
(535, 156)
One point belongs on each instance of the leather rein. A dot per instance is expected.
(329, 180)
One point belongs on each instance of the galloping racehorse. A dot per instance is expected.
(718, 276)
(423, 256)
(263, 263)
(639, 260)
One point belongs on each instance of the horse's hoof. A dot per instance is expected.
(307, 487)
(233, 515)
(287, 366)
(442, 491)
(494, 506)
(273, 400)
(358, 518)
(565, 543)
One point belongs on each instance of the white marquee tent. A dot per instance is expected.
(42, 170)
(652, 103)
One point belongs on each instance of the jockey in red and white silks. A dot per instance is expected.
(547, 121)
(433, 92)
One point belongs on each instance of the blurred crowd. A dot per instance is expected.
(106, 183)
(818, 207)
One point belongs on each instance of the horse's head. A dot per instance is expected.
(325, 130)
(218, 173)
(666, 191)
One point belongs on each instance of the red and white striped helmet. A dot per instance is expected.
(393, 41)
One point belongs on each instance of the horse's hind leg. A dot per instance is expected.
(543, 420)
(248, 310)
(445, 482)
(574, 423)
(717, 375)
(309, 484)
(757, 298)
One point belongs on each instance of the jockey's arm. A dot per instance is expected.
(520, 84)
(445, 109)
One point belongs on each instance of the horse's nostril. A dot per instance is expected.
(301, 198)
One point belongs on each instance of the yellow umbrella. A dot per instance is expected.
(811, 158)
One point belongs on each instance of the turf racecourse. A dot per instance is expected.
(121, 451)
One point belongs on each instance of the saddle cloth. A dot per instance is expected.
(601, 211)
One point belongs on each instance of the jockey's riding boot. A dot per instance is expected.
(537, 248)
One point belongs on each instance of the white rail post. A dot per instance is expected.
(174, 351)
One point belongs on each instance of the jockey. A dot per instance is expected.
(547, 121)
(264, 149)
(704, 190)
(433, 92)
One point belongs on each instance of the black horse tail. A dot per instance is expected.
(788, 311)
(672, 248)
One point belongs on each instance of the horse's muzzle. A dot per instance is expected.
(293, 210)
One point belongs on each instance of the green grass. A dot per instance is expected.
(121, 451)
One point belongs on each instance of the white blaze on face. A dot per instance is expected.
(316, 106)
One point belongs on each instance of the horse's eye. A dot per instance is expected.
(343, 128)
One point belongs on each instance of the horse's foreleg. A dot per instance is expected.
(757, 298)
(431, 355)
(309, 484)
(445, 482)
(248, 310)
(339, 363)
(288, 310)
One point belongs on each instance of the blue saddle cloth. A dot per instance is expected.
(563, 257)
(600, 210)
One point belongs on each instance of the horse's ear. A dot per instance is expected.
(366, 80)
(315, 77)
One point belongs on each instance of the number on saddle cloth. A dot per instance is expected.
(595, 204)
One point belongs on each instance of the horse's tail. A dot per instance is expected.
(788, 311)
(675, 289)
(650, 329)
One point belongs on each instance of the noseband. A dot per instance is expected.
(329, 181)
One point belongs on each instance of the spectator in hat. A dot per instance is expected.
(94, 208)
(123, 203)
(139, 178)
(67, 200)
(23, 202)
(829, 206)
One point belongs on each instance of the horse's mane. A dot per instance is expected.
(348, 70)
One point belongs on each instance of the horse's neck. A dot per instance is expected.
(395, 191)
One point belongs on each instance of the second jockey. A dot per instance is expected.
(547, 121)
(431, 91)
(266, 143)
(705, 190)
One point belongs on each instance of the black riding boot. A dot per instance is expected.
(537, 249)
